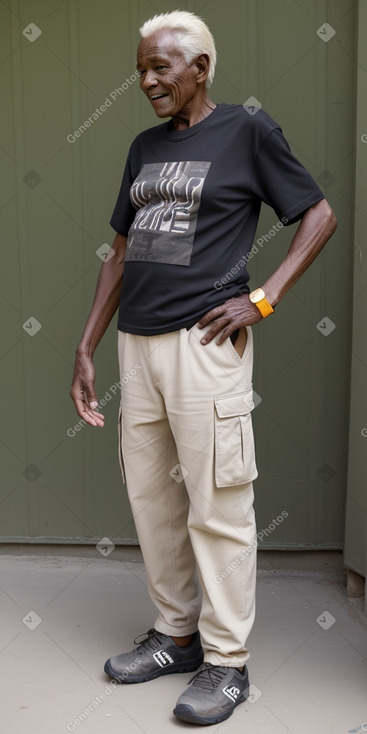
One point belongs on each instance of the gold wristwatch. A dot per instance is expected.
(259, 299)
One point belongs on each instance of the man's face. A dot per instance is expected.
(165, 78)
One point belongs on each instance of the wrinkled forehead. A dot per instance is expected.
(164, 43)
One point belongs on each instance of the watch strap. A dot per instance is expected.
(265, 307)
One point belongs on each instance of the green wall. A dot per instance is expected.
(56, 201)
(355, 556)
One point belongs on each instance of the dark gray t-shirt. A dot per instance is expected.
(189, 204)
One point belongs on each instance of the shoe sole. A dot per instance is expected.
(175, 668)
(187, 713)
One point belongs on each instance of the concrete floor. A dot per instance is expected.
(63, 612)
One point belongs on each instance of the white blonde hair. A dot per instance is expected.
(193, 34)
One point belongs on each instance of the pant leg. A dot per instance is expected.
(207, 392)
(159, 503)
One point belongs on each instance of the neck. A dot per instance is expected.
(198, 111)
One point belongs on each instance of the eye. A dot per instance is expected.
(161, 67)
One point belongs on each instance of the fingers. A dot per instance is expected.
(213, 314)
(94, 420)
(88, 410)
(83, 391)
(214, 330)
(217, 319)
(231, 315)
(91, 416)
(226, 334)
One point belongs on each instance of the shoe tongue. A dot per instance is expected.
(154, 641)
(145, 636)
(209, 676)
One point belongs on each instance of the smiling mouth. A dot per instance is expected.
(157, 96)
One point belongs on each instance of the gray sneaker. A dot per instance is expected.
(157, 655)
(214, 693)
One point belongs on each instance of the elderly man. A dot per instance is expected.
(185, 219)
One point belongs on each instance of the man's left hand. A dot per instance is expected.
(228, 317)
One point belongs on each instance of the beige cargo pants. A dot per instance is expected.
(187, 450)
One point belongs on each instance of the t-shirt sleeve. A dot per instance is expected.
(281, 181)
(124, 212)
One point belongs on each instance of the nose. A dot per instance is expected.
(148, 80)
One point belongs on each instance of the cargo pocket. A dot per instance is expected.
(119, 433)
(234, 441)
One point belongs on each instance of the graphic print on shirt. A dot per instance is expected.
(167, 197)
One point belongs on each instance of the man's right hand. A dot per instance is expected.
(105, 304)
(83, 391)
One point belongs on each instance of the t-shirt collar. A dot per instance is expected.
(177, 135)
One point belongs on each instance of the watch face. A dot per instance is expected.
(257, 295)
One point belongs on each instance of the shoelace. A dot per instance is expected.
(149, 640)
(208, 676)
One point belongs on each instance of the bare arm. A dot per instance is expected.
(314, 230)
(105, 304)
(317, 225)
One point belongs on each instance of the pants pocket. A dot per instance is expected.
(239, 340)
(120, 454)
(234, 440)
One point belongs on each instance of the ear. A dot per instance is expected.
(202, 63)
